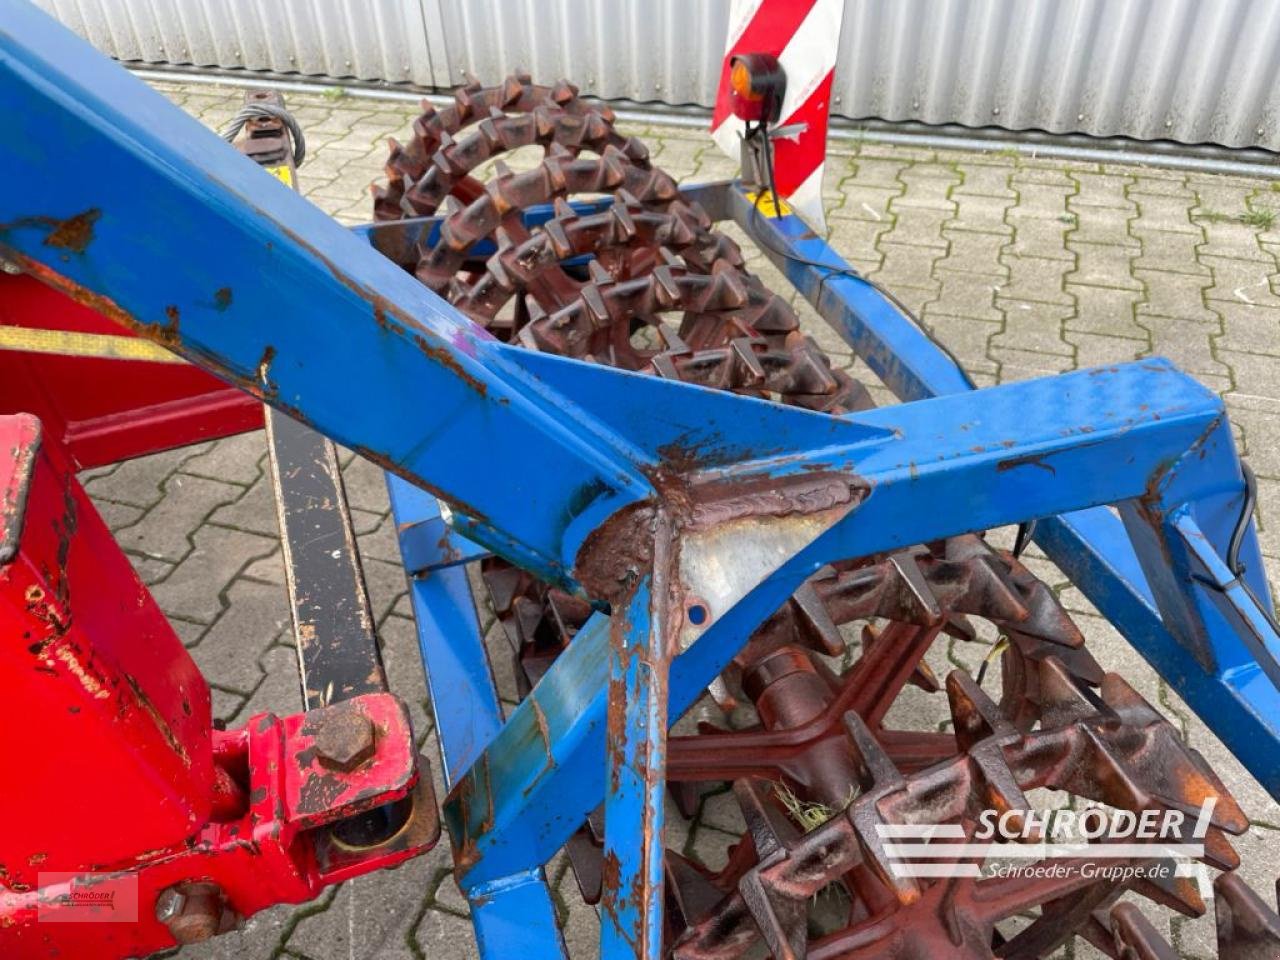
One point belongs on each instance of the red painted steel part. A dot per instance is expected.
(104, 409)
(131, 808)
(107, 710)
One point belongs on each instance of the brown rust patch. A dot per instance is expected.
(1030, 460)
(149, 708)
(320, 792)
(268, 357)
(74, 233)
(447, 360)
(167, 333)
(617, 553)
(222, 298)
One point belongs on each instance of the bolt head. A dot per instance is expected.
(344, 738)
(169, 904)
(193, 911)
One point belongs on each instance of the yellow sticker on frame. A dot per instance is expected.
(765, 201)
(282, 173)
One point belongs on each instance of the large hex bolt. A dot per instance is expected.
(194, 911)
(344, 738)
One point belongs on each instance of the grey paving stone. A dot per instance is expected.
(150, 570)
(192, 590)
(366, 486)
(118, 515)
(1109, 225)
(1103, 265)
(372, 917)
(1094, 350)
(254, 511)
(1189, 343)
(982, 178)
(1168, 213)
(1105, 310)
(1249, 328)
(1177, 295)
(402, 661)
(1046, 238)
(138, 482)
(269, 569)
(982, 213)
(862, 201)
(1241, 281)
(969, 251)
(258, 940)
(858, 237)
(920, 226)
(1029, 325)
(228, 652)
(1101, 190)
(386, 584)
(1171, 252)
(966, 295)
(278, 689)
(444, 936)
(1037, 279)
(165, 531)
(236, 459)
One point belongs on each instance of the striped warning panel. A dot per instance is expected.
(805, 36)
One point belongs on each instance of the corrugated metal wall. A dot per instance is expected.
(364, 39)
(1189, 70)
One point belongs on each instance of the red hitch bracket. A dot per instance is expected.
(137, 824)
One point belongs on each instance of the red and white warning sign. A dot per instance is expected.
(805, 36)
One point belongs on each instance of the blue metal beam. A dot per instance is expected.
(514, 915)
(978, 459)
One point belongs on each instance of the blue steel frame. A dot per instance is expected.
(180, 238)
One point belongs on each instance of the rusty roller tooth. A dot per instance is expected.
(1174, 775)
(850, 396)
(544, 120)
(690, 890)
(996, 764)
(636, 151)
(1248, 929)
(562, 91)
(619, 238)
(560, 151)
(1180, 894)
(1135, 936)
(983, 733)
(746, 370)
(623, 224)
(511, 89)
(596, 127)
(504, 112)
(668, 287)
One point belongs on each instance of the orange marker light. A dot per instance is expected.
(740, 81)
(756, 86)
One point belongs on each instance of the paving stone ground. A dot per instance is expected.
(1024, 267)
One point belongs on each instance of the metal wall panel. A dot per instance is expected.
(1188, 70)
(361, 39)
(665, 51)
